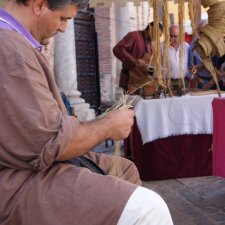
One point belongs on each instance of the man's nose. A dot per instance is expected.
(63, 26)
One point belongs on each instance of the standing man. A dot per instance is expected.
(37, 136)
(174, 55)
(131, 50)
(178, 66)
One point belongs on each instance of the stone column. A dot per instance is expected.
(120, 27)
(128, 18)
(145, 15)
(66, 72)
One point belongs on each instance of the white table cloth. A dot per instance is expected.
(160, 118)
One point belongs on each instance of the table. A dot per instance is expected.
(172, 137)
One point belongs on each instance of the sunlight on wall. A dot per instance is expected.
(173, 11)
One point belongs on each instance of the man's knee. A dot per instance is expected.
(145, 207)
(130, 172)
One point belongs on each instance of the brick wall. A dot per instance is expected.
(103, 29)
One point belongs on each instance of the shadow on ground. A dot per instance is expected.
(192, 201)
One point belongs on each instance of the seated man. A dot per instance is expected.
(197, 74)
(38, 136)
(200, 76)
(218, 62)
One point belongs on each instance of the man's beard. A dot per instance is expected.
(45, 41)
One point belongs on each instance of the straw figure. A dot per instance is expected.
(212, 36)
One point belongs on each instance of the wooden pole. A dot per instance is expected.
(197, 8)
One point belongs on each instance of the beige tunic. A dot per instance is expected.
(35, 128)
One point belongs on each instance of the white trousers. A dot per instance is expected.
(145, 207)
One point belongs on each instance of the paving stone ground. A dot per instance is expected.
(191, 201)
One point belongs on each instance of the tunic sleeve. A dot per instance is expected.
(124, 49)
(34, 128)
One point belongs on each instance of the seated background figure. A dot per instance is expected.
(201, 76)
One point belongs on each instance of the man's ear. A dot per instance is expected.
(39, 5)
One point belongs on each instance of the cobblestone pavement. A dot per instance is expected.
(193, 201)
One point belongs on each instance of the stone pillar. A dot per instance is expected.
(128, 18)
(120, 27)
(66, 74)
(145, 15)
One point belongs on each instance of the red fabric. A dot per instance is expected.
(172, 157)
(218, 137)
(128, 50)
(188, 38)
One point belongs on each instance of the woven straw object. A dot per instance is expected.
(212, 36)
(208, 3)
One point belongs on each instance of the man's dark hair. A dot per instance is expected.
(59, 4)
(150, 25)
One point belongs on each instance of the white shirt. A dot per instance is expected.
(175, 70)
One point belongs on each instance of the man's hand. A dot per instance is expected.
(141, 63)
(194, 70)
(120, 122)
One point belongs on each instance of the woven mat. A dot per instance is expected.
(210, 92)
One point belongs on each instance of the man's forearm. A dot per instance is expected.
(88, 135)
(115, 125)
